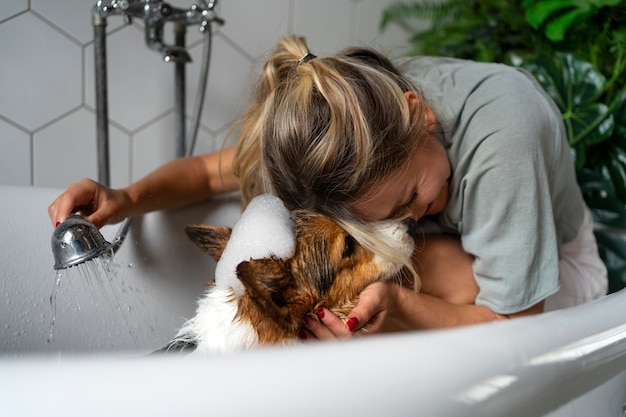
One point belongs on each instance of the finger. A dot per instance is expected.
(77, 195)
(336, 325)
(305, 335)
(368, 308)
(317, 330)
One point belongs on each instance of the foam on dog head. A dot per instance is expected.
(265, 228)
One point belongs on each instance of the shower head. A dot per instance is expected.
(75, 241)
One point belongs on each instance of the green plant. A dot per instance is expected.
(592, 30)
(479, 30)
(597, 134)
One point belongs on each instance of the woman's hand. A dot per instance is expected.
(372, 314)
(101, 204)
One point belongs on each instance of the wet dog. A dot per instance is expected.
(328, 268)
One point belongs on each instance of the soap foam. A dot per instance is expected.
(265, 228)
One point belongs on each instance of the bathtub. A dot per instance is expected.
(94, 358)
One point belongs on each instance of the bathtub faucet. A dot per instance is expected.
(155, 13)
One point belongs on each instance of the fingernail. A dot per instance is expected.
(302, 335)
(57, 225)
(352, 322)
(320, 313)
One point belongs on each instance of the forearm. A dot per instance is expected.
(182, 182)
(422, 311)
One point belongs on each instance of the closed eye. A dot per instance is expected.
(349, 246)
(401, 210)
(411, 201)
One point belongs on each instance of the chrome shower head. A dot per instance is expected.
(75, 241)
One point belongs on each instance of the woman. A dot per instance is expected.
(476, 152)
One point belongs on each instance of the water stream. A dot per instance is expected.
(97, 277)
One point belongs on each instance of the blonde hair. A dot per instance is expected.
(323, 132)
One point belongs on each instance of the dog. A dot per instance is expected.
(328, 268)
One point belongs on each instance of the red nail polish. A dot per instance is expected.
(302, 335)
(57, 225)
(320, 313)
(352, 322)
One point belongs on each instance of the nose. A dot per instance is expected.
(411, 227)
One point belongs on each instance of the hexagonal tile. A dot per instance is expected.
(65, 152)
(74, 17)
(227, 91)
(11, 8)
(40, 73)
(256, 25)
(15, 161)
(140, 83)
(324, 23)
(207, 142)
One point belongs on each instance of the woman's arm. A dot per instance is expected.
(178, 183)
(445, 300)
(184, 181)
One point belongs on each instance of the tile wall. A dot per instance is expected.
(47, 118)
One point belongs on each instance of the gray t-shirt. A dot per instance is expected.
(514, 199)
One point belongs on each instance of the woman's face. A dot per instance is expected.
(420, 188)
(417, 189)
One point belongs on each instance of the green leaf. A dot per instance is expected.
(584, 83)
(540, 11)
(619, 115)
(590, 123)
(612, 250)
(616, 167)
(575, 86)
(601, 199)
(555, 30)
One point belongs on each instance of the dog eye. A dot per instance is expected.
(349, 246)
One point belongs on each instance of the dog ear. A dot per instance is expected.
(211, 239)
(268, 284)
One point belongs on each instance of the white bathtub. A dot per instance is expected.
(565, 363)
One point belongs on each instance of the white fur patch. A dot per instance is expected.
(265, 228)
(215, 328)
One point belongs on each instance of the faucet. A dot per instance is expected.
(155, 13)
(76, 240)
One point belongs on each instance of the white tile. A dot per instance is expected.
(228, 90)
(153, 146)
(256, 25)
(140, 83)
(9, 8)
(73, 17)
(15, 161)
(324, 23)
(206, 142)
(65, 152)
(40, 73)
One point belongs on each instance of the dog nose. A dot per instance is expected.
(411, 227)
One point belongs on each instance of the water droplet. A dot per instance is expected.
(131, 265)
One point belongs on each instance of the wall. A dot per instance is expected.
(47, 120)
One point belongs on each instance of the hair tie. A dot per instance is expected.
(306, 58)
